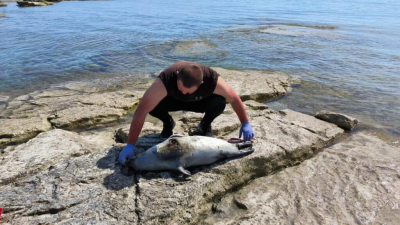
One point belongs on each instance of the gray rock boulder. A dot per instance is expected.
(343, 121)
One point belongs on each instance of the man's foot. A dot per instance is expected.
(204, 130)
(168, 128)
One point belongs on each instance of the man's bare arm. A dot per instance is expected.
(232, 97)
(153, 95)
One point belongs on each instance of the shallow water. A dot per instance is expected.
(346, 53)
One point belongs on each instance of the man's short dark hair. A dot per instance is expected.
(191, 75)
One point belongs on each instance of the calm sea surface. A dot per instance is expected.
(346, 53)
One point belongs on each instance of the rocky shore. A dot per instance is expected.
(60, 148)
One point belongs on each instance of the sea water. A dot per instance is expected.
(346, 53)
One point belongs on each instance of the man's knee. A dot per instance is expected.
(217, 103)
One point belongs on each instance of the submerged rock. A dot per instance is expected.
(2, 4)
(2, 15)
(342, 120)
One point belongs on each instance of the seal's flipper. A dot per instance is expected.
(184, 171)
(246, 152)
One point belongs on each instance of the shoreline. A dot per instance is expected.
(76, 172)
(99, 85)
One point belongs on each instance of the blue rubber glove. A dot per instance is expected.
(126, 154)
(246, 131)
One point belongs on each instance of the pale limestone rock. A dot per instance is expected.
(41, 152)
(18, 130)
(256, 85)
(255, 105)
(88, 189)
(84, 116)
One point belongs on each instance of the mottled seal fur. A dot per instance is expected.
(179, 152)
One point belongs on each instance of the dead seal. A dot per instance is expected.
(179, 152)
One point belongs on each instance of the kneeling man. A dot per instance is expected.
(187, 86)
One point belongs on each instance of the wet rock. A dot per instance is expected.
(2, 15)
(342, 120)
(2, 4)
(41, 152)
(348, 183)
(18, 130)
(256, 85)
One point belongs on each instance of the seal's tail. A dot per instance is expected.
(244, 145)
(245, 152)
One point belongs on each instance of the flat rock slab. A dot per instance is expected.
(26, 116)
(85, 116)
(256, 85)
(89, 189)
(19, 130)
(41, 152)
(353, 182)
(170, 198)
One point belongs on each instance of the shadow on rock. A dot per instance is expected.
(124, 176)
(119, 179)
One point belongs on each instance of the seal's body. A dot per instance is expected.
(178, 153)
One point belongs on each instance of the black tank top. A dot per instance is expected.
(206, 89)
